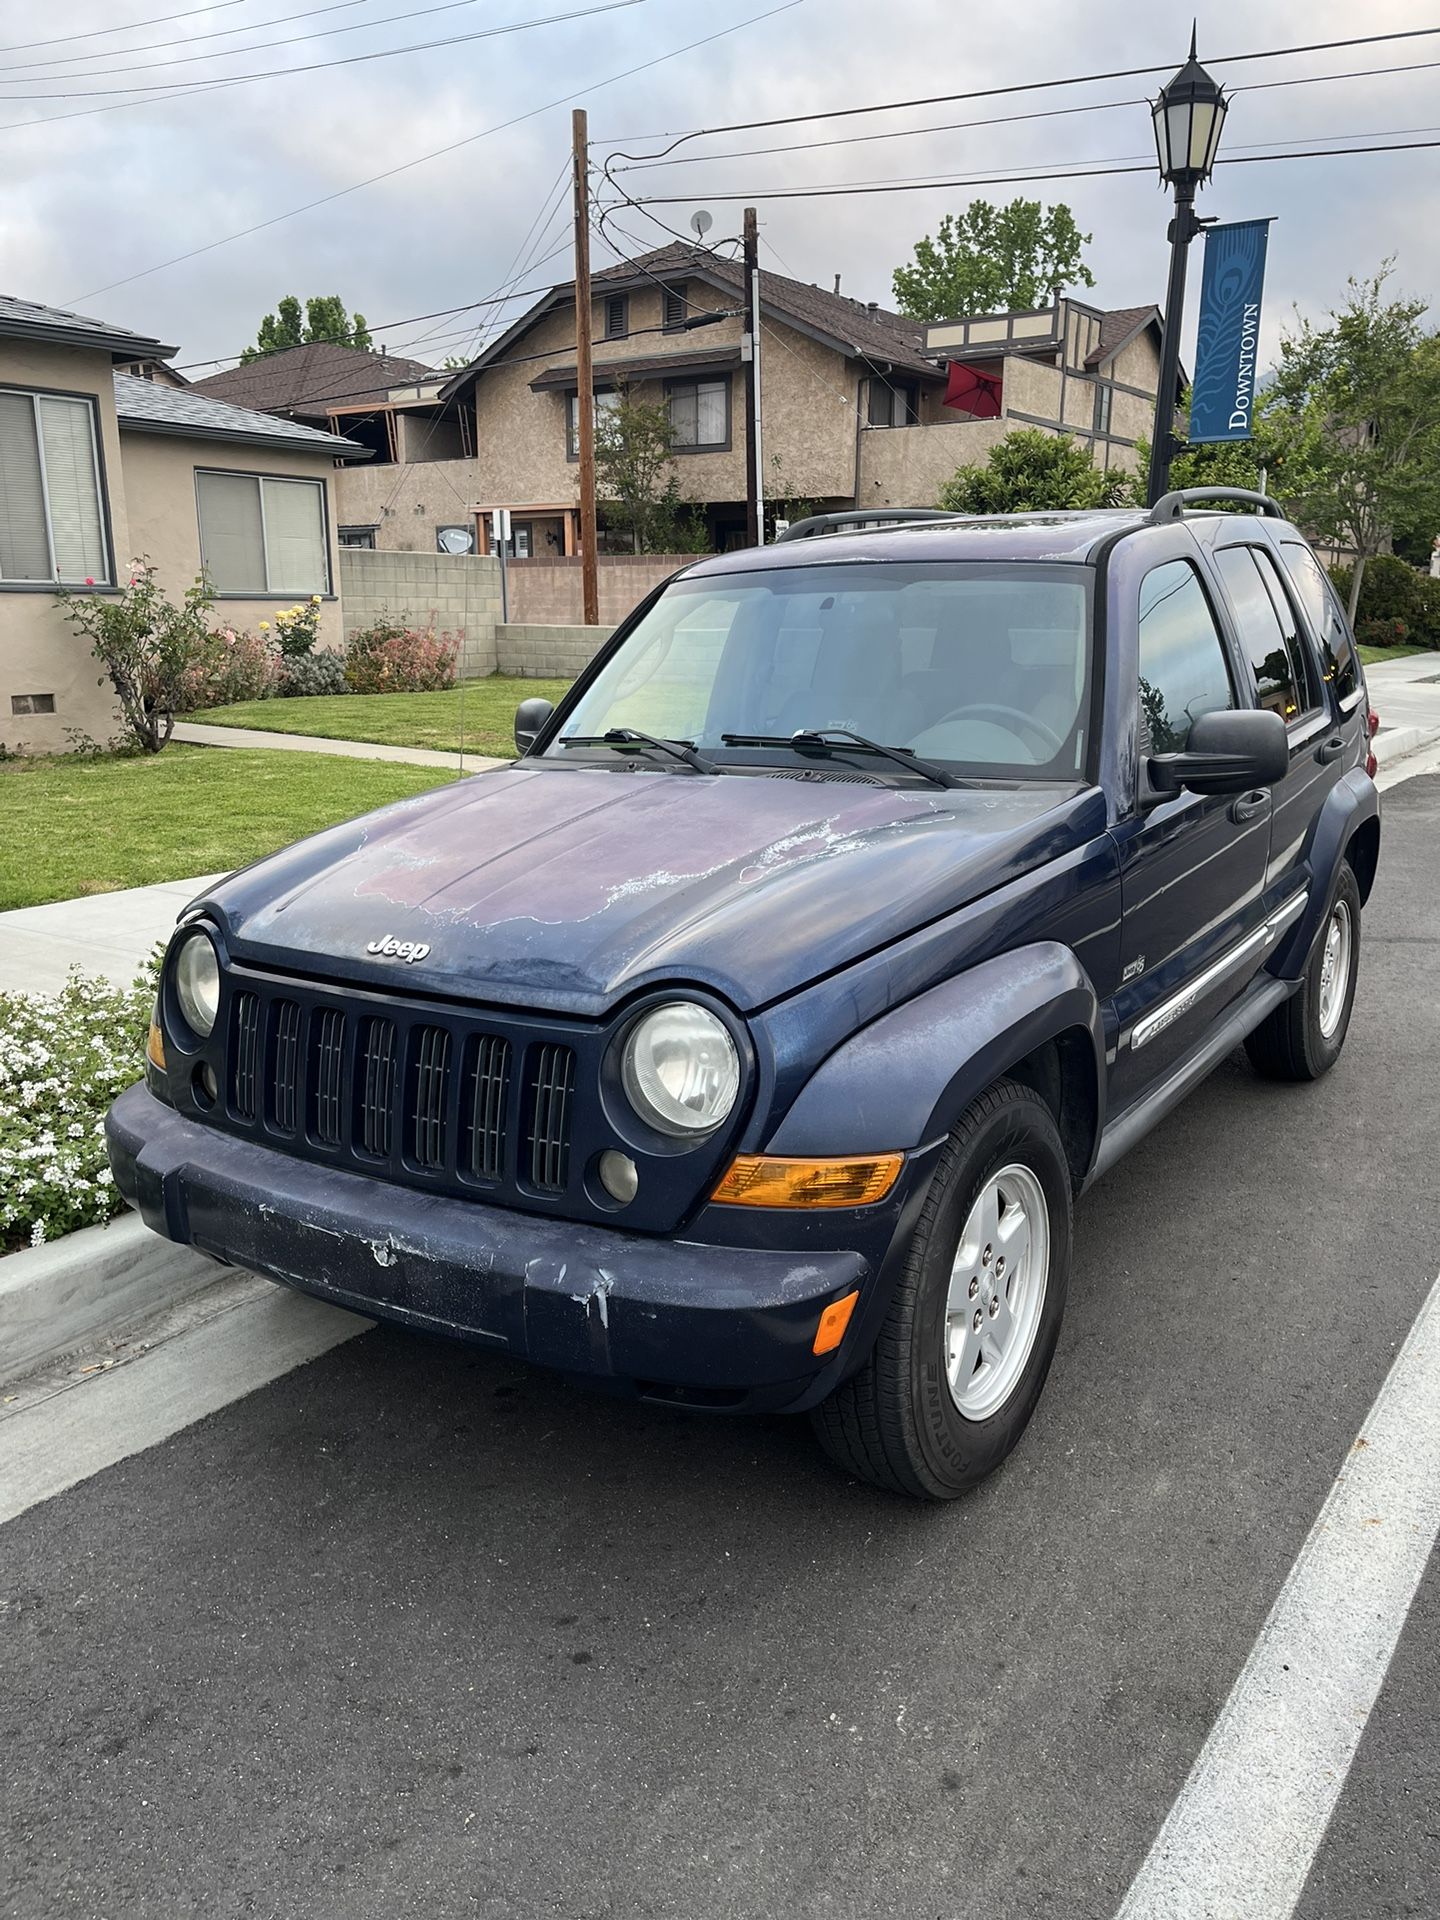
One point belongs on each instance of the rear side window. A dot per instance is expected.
(1267, 632)
(1327, 621)
(1182, 658)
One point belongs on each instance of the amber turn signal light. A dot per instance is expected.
(757, 1180)
(833, 1322)
(155, 1047)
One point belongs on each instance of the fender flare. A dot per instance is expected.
(904, 1080)
(1351, 803)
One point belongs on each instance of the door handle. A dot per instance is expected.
(1332, 750)
(1249, 804)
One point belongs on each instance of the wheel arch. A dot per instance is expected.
(1349, 820)
(903, 1081)
(1362, 850)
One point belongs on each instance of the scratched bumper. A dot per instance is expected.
(674, 1319)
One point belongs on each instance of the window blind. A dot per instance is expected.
(24, 547)
(232, 537)
(294, 536)
(66, 430)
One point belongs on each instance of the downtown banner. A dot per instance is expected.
(1222, 396)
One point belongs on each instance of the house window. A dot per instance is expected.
(51, 526)
(262, 536)
(893, 403)
(32, 703)
(699, 414)
(357, 537)
(606, 401)
(676, 308)
(1103, 398)
(617, 315)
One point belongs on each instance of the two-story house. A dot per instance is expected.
(100, 467)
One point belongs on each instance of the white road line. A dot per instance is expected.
(1240, 1839)
(65, 1438)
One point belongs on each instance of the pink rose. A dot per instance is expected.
(88, 581)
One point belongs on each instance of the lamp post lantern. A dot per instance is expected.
(1188, 117)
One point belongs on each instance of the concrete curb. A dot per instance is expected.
(1397, 743)
(192, 733)
(55, 1298)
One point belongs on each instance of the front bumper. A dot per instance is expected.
(682, 1321)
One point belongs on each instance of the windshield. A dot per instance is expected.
(981, 668)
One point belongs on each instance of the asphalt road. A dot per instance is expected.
(415, 1631)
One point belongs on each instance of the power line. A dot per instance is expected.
(186, 40)
(919, 184)
(177, 89)
(133, 26)
(453, 146)
(1018, 86)
(1000, 120)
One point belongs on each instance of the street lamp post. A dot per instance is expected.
(1188, 117)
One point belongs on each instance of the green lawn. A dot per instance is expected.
(71, 826)
(487, 708)
(1373, 656)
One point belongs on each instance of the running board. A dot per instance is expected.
(1137, 1120)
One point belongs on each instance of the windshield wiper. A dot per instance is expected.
(813, 737)
(632, 736)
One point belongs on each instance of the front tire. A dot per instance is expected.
(1302, 1039)
(958, 1366)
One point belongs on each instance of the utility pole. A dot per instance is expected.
(754, 471)
(584, 370)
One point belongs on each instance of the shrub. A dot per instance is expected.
(1382, 633)
(1427, 623)
(147, 646)
(235, 666)
(1389, 590)
(390, 659)
(296, 628)
(63, 1059)
(320, 672)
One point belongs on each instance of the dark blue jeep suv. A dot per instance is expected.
(745, 1044)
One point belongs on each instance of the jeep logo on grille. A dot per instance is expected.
(389, 948)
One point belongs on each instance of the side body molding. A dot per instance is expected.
(905, 1079)
(1352, 802)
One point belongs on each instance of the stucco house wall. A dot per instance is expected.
(165, 523)
(907, 466)
(39, 649)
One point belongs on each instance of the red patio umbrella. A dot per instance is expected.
(974, 391)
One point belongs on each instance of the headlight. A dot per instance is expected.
(197, 983)
(681, 1070)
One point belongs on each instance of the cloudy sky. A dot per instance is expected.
(93, 198)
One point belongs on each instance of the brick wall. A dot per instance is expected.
(548, 652)
(548, 592)
(448, 590)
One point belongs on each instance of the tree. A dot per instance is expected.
(632, 470)
(324, 318)
(1033, 472)
(992, 260)
(1361, 395)
(1276, 455)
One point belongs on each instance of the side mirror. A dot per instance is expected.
(530, 718)
(1227, 752)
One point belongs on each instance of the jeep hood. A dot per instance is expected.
(567, 888)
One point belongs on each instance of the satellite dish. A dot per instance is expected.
(701, 222)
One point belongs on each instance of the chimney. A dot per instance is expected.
(872, 307)
(837, 283)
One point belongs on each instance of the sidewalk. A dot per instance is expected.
(1406, 695)
(200, 736)
(105, 933)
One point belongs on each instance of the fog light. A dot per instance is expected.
(619, 1176)
(206, 1091)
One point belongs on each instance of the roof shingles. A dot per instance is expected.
(29, 320)
(312, 380)
(145, 406)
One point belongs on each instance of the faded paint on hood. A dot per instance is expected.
(566, 889)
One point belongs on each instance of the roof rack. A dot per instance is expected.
(1171, 506)
(859, 520)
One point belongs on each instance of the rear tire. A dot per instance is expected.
(1302, 1039)
(958, 1366)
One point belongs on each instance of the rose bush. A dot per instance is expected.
(390, 658)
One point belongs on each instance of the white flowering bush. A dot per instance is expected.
(63, 1059)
